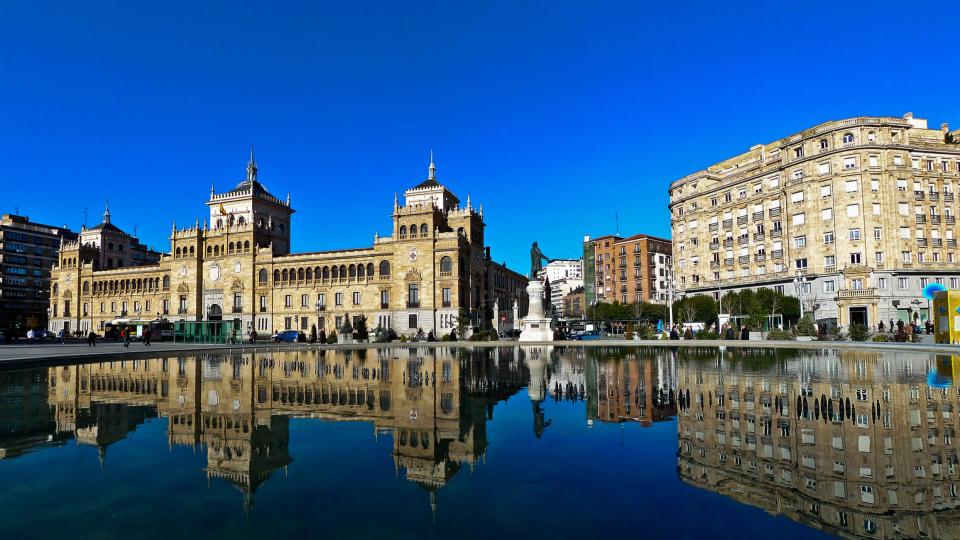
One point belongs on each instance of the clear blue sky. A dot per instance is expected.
(581, 109)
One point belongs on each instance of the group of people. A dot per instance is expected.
(900, 327)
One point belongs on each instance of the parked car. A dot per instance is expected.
(589, 336)
(290, 336)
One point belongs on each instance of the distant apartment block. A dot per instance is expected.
(626, 270)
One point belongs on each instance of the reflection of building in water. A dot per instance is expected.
(567, 379)
(852, 443)
(25, 420)
(624, 388)
(435, 403)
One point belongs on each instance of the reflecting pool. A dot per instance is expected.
(530, 442)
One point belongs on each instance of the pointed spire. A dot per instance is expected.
(212, 191)
(106, 212)
(196, 224)
(174, 226)
(432, 169)
(288, 198)
(396, 202)
(251, 167)
(469, 206)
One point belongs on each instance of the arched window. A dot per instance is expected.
(166, 282)
(316, 273)
(216, 251)
(230, 221)
(56, 288)
(423, 229)
(178, 252)
(361, 270)
(352, 271)
(413, 231)
(209, 251)
(824, 144)
(219, 223)
(309, 274)
(191, 250)
(283, 275)
(276, 276)
(109, 245)
(241, 221)
(847, 138)
(384, 268)
(336, 272)
(343, 271)
(403, 231)
(369, 269)
(280, 228)
(872, 136)
(460, 231)
(230, 247)
(300, 275)
(326, 273)
(446, 264)
(263, 276)
(246, 246)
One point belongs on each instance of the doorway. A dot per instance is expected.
(858, 315)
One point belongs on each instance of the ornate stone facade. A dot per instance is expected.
(864, 208)
(238, 267)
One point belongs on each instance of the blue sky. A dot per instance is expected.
(578, 109)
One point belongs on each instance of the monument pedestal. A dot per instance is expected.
(536, 325)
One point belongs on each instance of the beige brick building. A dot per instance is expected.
(238, 267)
(864, 208)
(856, 444)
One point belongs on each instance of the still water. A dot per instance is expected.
(484, 443)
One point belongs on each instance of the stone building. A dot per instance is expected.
(856, 444)
(626, 270)
(863, 208)
(563, 275)
(28, 251)
(238, 266)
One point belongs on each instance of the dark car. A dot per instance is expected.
(290, 336)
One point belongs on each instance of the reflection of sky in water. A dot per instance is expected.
(596, 454)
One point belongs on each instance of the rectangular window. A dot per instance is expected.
(304, 300)
(447, 298)
(853, 210)
(800, 242)
(874, 185)
(901, 283)
(851, 186)
(830, 260)
(855, 258)
(825, 190)
(854, 234)
(882, 283)
(796, 197)
(237, 302)
(876, 209)
(338, 299)
(183, 304)
(288, 302)
(799, 219)
(384, 299)
(874, 161)
(413, 295)
(878, 256)
(877, 233)
(828, 238)
(801, 264)
(829, 286)
(412, 321)
(826, 213)
(322, 300)
(850, 163)
(901, 185)
(263, 303)
(823, 168)
(356, 298)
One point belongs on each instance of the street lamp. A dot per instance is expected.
(671, 286)
(799, 282)
(320, 307)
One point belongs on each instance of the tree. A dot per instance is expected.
(697, 308)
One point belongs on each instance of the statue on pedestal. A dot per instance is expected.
(536, 260)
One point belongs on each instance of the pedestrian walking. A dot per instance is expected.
(147, 334)
(92, 339)
(744, 333)
(125, 334)
(880, 327)
(61, 335)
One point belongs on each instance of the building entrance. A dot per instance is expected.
(858, 315)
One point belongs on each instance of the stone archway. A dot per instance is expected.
(215, 313)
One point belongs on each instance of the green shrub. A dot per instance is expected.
(476, 336)
(779, 335)
(880, 338)
(806, 327)
(445, 337)
(858, 332)
(331, 338)
(403, 339)
(493, 336)
(707, 334)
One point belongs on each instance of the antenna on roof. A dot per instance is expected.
(134, 230)
(616, 219)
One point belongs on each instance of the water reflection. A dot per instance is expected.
(853, 443)
(857, 444)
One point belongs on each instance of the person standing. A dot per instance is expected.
(744, 333)
(92, 339)
(147, 334)
(125, 334)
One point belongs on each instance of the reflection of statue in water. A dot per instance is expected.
(536, 259)
(539, 422)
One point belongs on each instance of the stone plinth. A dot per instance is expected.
(536, 325)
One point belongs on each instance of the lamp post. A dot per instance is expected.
(320, 307)
(799, 282)
(671, 285)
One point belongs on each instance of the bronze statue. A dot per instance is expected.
(536, 259)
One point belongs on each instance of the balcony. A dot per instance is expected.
(728, 242)
(263, 309)
(757, 216)
(742, 220)
(921, 218)
(776, 233)
(237, 309)
(777, 254)
(951, 243)
(411, 305)
(758, 237)
(713, 227)
(774, 212)
(933, 196)
(948, 196)
(760, 257)
(918, 195)
(921, 242)
(937, 242)
(714, 245)
(950, 220)
(728, 262)
(182, 311)
(728, 224)
(856, 293)
(935, 219)
(744, 259)
(714, 264)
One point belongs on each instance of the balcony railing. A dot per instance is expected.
(743, 240)
(413, 304)
(918, 195)
(937, 242)
(777, 254)
(757, 237)
(741, 220)
(713, 227)
(182, 311)
(714, 245)
(951, 242)
(760, 257)
(714, 264)
(728, 224)
(237, 309)
(728, 242)
(950, 220)
(728, 262)
(921, 242)
(776, 233)
(933, 196)
(384, 305)
(948, 197)
(935, 220)
(744, 259)
(263, 309)
(921, 218)
(857, 293)
(757, 216)
(774, 212)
